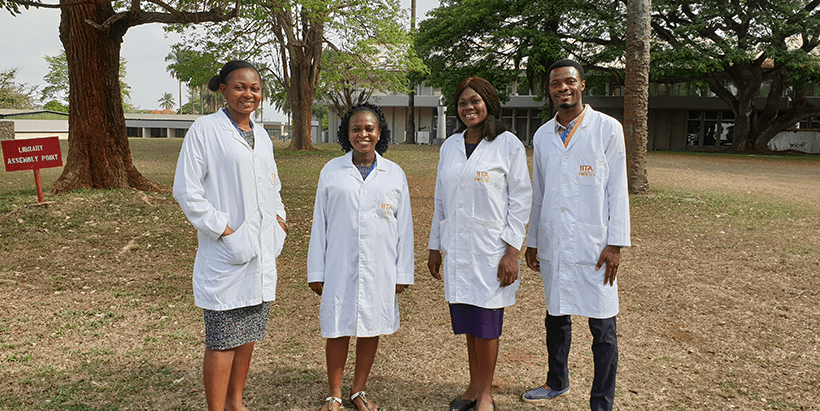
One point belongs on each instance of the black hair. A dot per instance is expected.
(227, 69)
(566, 63)
(492, 125)
(344, 128)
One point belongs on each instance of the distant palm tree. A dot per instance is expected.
(178, 57)
(167, 101)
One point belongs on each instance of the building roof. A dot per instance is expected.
(32, 114)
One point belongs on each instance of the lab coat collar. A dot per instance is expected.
(380, 166)
(225, 124)
(482, 144)
(578, 131)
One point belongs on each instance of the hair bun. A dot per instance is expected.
(213, 83)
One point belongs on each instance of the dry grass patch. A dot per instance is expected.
(719, 298)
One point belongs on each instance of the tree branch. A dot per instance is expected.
(38, 4)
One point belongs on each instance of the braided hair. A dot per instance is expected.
(344, 128)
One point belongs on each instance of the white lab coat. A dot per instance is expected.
(221, 181)
(361, 246)
(481, 205)
(580, 205)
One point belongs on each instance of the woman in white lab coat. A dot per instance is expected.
(361, 249)
(482, 204)
(227, 185)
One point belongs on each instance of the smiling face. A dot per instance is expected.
(566, 87)
(471, 108)
(243, 92)
(363, 132)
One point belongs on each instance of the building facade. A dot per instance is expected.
(681, 118)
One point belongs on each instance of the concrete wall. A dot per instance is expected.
(40, 128)
(807, 141)
(6, 130)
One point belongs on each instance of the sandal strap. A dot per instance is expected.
(333, 399)
(363, 395)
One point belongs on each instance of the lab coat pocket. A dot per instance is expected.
(590, 240)
(589, 170)
(279, 236)
(487, 237)
(489, 203)
(242, 245)
(545, 250)
(388, 204)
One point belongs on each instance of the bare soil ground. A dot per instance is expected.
(719, 298)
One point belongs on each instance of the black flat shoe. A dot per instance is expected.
(459, 404)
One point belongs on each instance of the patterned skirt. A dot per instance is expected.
(231, 328)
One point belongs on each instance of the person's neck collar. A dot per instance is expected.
(473, 136)
(363, 159)
(242, 121)
(564, 117)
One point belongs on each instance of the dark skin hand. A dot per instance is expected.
(611, 256)
(507, 267)
(434, 263)
(318, 287)
(531, 255)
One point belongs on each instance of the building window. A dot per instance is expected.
(507, 118)
(710, 129)
(809, 123)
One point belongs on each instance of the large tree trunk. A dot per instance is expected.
(98, 154)
(305, 64)
(410, 128)
(300, 124)
(300, 96)
(636, 95)
(742, 135)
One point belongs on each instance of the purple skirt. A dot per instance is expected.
(479, 322)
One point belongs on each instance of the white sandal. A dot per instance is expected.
(363, 396)
(331, 400)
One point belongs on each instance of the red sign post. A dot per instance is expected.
(32, 154)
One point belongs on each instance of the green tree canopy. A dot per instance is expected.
(503, 41)
(350, 78)
(57, 80)
(739, 49)
(15, 95)
(92, 32)
(55, 105)
(192, 67)
(290, 37)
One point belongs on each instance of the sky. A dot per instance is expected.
(27, 38)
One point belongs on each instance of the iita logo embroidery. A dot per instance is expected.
(482, 177)
(387, 209)
(586, 171)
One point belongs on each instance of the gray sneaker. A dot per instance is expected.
(542, 393)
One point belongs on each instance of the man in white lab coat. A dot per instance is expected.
(579, 222)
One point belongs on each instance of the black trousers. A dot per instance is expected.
(604, 351)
